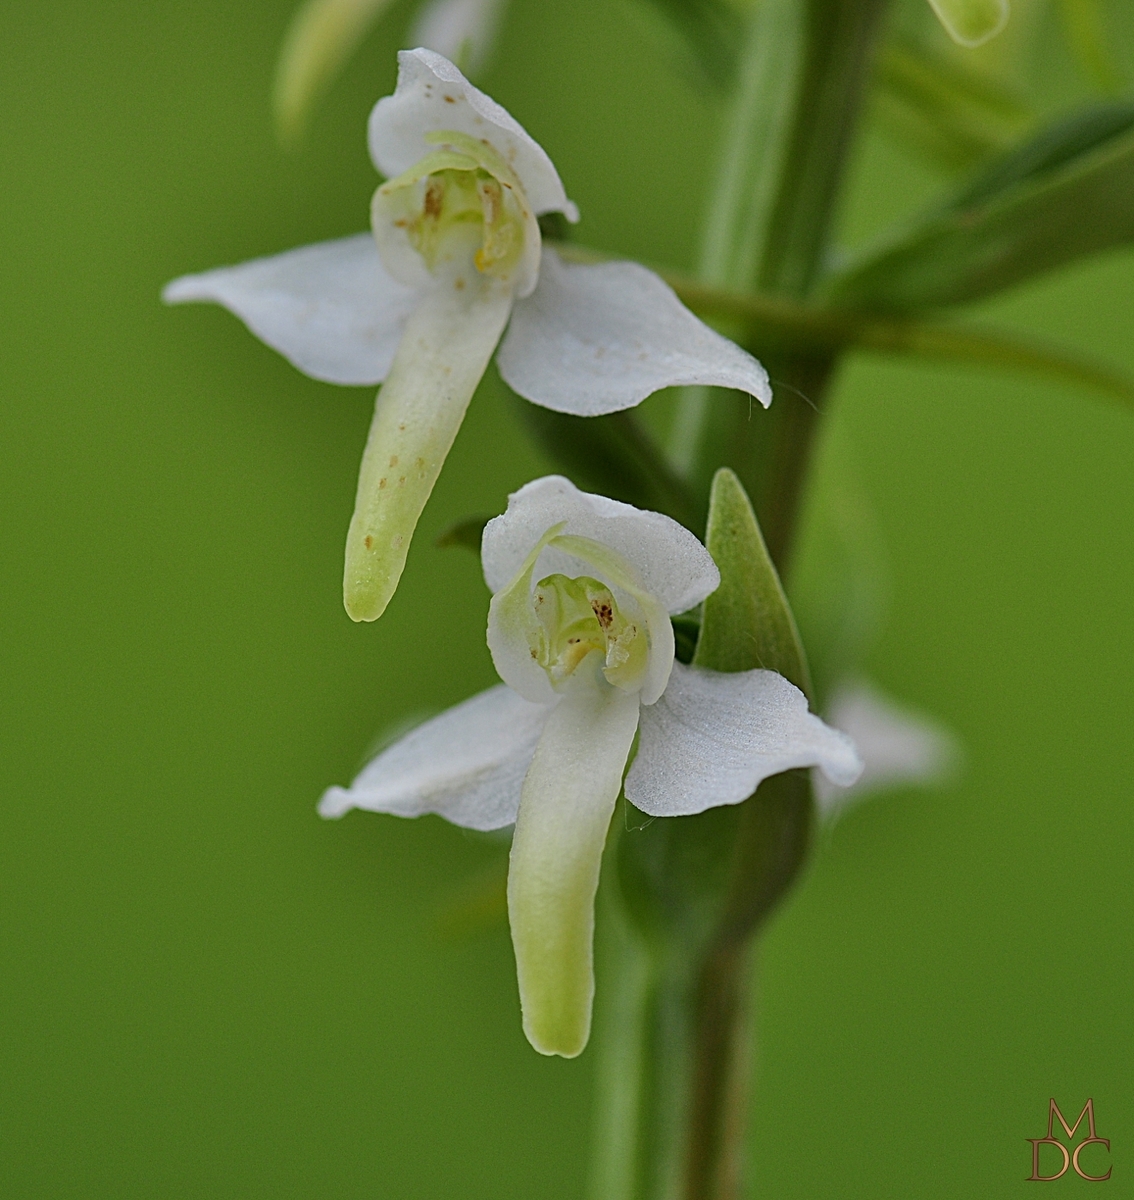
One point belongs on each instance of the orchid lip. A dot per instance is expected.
(460, 205)
(580, 617)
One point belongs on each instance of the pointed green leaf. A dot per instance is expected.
(747, 622)
(1061, 196)
(709, 880)
(1062, 144)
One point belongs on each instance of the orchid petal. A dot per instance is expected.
(431, 96)
(330, 309)
(972, 22)
(464, 31)
(513, 628)
(672, 564)
(897, 747)
(596, 339)
(447, 343)
(467, 765)
(568, 798)
(713, 736)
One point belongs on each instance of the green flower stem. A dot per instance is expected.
(756, 143)
(840, 38)
(698, 889)
(771, 455)
(674, 1018)
(772, 837)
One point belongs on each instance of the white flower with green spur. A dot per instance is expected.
(456, 257)
(579, 629)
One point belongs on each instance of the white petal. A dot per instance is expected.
(448, 341)
(596, 339)
(513, 630)
(462, 30)
(467, 765)
(568, 799)
(672, 563)
(713, 737)
(897, 747)
(330, 309)
(433, 95)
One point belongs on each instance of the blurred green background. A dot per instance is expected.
(207, 991)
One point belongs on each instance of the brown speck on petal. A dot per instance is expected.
(450, 100)
(368, 541)
(381, 484)
(393, 460)
(434, 197)
(402, 481)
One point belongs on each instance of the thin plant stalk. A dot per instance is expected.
(675, 1033)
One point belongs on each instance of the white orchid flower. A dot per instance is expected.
(972, 22)
(898, 748)
(579, 629)
(454, 258)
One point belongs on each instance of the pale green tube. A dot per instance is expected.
(565, 810)
(971, 22)
(442, 355)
